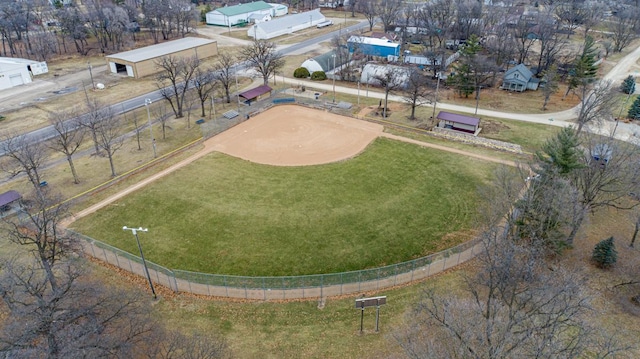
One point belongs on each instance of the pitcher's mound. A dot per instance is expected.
(293, 135)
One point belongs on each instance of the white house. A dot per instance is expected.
(242, 14)
(16, 72)
(285, 25)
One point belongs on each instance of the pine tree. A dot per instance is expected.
(605, 254)
(634, 111)
(562, 152)
(585, 70)
(629, 85)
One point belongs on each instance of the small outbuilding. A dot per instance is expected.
(286, 25)
(519, 78)
(456, 122)
(325, 62)
(8, 198)
(256, 94)
(372, 72)
(16, 71)
(141, 62)
(370, 46)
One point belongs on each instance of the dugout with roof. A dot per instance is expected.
(255, 94)
(141, 62)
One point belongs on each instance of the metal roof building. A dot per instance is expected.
(142, 62)
(370, 46)
(16, 71)
(454, 121)
(242, 13)
(285, 25)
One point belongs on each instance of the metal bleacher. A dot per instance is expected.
(231, 114)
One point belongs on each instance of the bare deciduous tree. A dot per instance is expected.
(263, 57)
(596, 102)
(24, 157)
(204, 83)
(624, 28)
(417, 92)
(223, 73)
(174, 79)
(69, 137)
(110, 137)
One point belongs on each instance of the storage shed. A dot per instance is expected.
(371, 73)
(242, 13)
(324, 62)
(285, 25)
(16, 71)
(370, 46)
(255, 94)
(453, 121)
(142, 62)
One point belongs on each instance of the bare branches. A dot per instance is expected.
(174, 79)
(69, 136)
(24, 157)
(596, 102)
(263, 57)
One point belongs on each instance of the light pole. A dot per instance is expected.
(334, 77)
(147, 102)
(91, 74)
(144, 263)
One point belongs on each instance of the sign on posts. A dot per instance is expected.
(362, 303)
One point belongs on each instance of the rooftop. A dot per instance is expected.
(159, 50)
(243, 8)
(372, 41)
(454, 117)
(255, 92)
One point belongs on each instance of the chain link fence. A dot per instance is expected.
(286, 287)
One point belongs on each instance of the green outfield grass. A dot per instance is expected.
(392, 203)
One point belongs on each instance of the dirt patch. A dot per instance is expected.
(492, 127)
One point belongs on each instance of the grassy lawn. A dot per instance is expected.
(222, 215)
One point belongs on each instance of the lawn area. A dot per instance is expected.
(392, 203)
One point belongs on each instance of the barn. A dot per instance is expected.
(456, 122)
(285, 25)
(370, 46)
(16, 72)
(141, 62)
(243, 13)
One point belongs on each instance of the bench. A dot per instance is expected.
(284, 100)
(231, 114)
(200, 121)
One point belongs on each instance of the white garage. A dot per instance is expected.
(15, 72)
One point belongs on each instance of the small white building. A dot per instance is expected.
(285, 25)
(16, 71)
(245, 13)
(371, 73)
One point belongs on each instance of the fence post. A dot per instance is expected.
(226, 287)
(444, 262)
(175, 281)
(413, 268)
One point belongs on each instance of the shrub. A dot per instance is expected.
(318, 76)
(301, 73)
(629, 85)
(605, 254)
(634, 111)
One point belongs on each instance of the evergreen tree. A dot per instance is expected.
(629, 85)
(463, 80)
(562, 153)
(584, 70)
(634, 111)
(605, 254)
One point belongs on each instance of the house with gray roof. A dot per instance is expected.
(519, 78)
(243, 13)
(285, 25)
